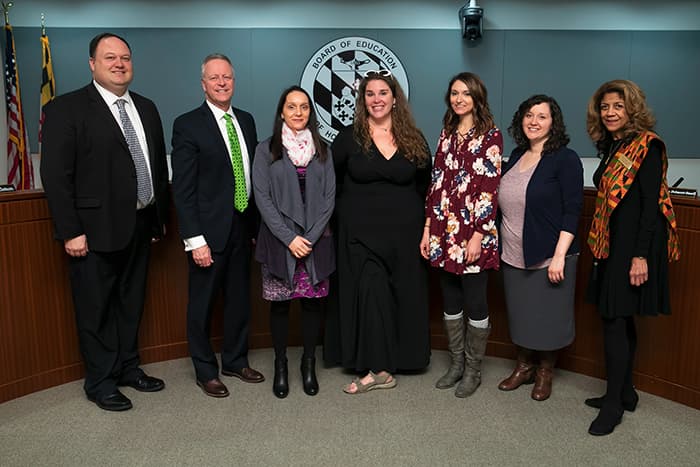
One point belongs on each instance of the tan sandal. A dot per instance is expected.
(378, 382)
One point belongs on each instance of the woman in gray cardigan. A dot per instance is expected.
(294, 185)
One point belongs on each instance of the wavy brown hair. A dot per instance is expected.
(640, 115)
(312, 125)
(483, 118)
(409, 139)
(557, 137)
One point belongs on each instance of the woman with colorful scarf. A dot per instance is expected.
(633, 236)
(294, 185)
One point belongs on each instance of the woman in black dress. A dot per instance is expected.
(633, 236)
(383, 169)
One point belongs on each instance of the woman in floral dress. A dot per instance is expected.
(460, 235)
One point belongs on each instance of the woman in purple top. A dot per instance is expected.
(460, 235)
(294, 185)
(540, 198)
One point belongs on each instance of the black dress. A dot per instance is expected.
(637, 228)
(380, 320)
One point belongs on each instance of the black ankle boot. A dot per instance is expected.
(606, 421)
(280, 383)
(308, 375)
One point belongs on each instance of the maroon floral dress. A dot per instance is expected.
(463, 198)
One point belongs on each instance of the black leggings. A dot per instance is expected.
(620, 339)
(310, 325)
(465, 292)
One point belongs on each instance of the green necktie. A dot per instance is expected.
(240, 199)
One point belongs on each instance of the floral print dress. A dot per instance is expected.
(463, 198)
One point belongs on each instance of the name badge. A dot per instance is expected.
(624, 160)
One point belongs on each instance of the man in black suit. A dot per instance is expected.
(105, 176)
(213, 146)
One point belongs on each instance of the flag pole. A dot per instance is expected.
(6, 9)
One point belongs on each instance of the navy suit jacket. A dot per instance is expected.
(553, 202)
(203, 182)
(88, 173)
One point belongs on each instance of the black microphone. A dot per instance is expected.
(678, 182)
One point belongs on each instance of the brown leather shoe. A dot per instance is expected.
(524, 373)
(543, 384)
(245, 374)
(213, 388)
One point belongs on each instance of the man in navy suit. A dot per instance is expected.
(213, 146)
(105, 176)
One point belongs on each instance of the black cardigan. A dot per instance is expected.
(553, 202)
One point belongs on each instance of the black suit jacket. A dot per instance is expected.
(88, 173)
(203, 182)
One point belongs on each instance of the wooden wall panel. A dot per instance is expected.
(39, 349)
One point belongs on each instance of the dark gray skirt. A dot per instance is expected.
(540, 314)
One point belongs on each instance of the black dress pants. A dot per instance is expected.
(109, 290)
(230, 273)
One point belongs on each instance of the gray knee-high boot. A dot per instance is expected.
(474, 349)
(454, 328)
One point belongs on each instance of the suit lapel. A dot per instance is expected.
(101, 111)
(212, 127)
(250, 146)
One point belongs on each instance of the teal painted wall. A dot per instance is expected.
(514, 64)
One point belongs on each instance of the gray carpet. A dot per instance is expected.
(413, 424)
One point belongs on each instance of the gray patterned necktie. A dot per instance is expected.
(143, 183)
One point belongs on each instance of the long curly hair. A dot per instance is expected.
(483, 118)
(640, 115)
(312, 125)
(557, 133)
(408, 137)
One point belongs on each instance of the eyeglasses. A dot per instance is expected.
(371, 73)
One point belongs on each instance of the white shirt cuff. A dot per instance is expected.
(194, 242)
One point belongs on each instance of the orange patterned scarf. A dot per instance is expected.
(614, 184)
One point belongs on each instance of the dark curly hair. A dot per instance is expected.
(557, 133)
(483, 119)
(409, 139)
(312, 125)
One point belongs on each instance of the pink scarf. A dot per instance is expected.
(300, 146)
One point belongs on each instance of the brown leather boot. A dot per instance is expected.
(543, 377)
(523, 373)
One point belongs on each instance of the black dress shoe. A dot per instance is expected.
(248, 375)
(280, 384)
(213, 388)
(144, 383)
(629, 405)
(114, 401)
(606, 421)
(308, 375)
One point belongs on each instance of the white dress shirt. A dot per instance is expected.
(111, 100)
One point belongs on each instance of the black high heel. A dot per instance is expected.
(280, 383)
(308, 375)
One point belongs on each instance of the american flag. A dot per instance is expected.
(19, 163)
(48, 83)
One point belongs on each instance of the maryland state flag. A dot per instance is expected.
(19, 162)
(48, 83)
